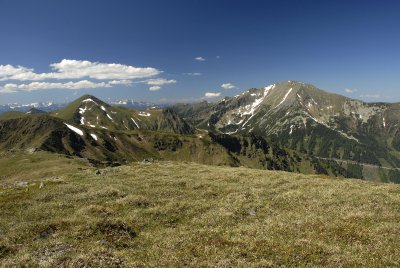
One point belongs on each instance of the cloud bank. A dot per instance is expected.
(77, 69)
(160, 82)
(11, 88)
(81, 72)
(212, 94)
(370, 96)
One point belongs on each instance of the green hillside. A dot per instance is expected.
(11, 115)
(173, 214)
(43, 132)
(311, 122)
(93, 113)
(289, 126)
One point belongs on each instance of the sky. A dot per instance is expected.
(189, 50)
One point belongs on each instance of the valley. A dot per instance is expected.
(289, 126)
(215, 134)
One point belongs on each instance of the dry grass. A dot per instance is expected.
(185, 214)
(23, 166)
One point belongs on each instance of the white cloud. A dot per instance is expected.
(212, 94)
(121, 82)
(81, 74)
(8, 71)
(154, 88)
(371, 96)
(160, 82)
(200, 59)
(78, 69)
(193, 74)
(217, 57)
(228, 86)
(9, 88)
(349, 90)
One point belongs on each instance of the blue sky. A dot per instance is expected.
(348, 47)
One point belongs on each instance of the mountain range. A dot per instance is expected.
(44, 106)
(52, 106)
(289, 126)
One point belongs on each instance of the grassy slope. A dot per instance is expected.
(11, 115)
(27, 167)
(121, 116)
(185, 214)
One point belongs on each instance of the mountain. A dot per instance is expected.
(43, 106)
(53, 106)
(48, 133)
(314, 123)
(43, 132)
(35, 111)
(137, 105)
(288, 126)
(11, 114)
(92, 129)
(18, 114)
(93, 113)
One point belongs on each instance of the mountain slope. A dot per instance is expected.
(288, 126)
(308, 120)
(91, 112)
(42, 132)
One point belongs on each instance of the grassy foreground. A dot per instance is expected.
(183, 214)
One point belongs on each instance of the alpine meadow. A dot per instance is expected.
(171, 134)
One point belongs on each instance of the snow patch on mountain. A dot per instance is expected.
(74, 129)
(291, 130)
(82, 110)
(90, 100)
(94, 136)
(135, 122)
(232, 132)
(257, 103)
(144, 114)
(123, 121)
(243, 113)
(341, 132)
(284, 98)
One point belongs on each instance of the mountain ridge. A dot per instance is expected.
(303, 118)
(289, 126)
